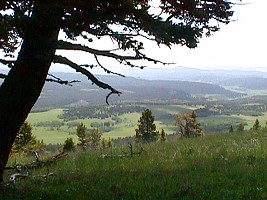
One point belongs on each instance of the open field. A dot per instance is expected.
(251, 119)
(229, 166)
(59, 134)
(51, 115)
(164, 118)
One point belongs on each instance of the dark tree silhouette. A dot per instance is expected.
(69, 145)
(231, 129)
(256, 125)
(240, 127)
(82, 137)
(162, 135)
(32, 27)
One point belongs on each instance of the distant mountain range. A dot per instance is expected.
(133, 89)
(180, 83)
(253, 83)
(191, 74)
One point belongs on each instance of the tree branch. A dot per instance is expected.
(89, 75)
(60, 81)
(105, 69)
(3, 76)
(63, 45)
(9, 63)
(53, 79)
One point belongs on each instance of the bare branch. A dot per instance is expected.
(55, 80)
(60, 81)
(16, 176)
(112, 34)
(86, 65)
(9, 63)
(89, 75)
(3, 76)
(105, 69)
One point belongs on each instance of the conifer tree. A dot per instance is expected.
(109, 143)
(162, 135)
(81, 133)
(24, 136)
(94, 139)
(103, 143)
(188, 125)
(146, 130)
(69, 145)
(231, 129)
(256, 125)
(25, 140)
(240, 127)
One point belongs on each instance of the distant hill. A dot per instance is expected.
(192, 74)
(253, 83)
(179, 83)
(133, 89)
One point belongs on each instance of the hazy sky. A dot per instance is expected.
(240, 44)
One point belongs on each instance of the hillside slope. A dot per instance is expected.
(54, 95)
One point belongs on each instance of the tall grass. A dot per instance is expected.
(212, 167)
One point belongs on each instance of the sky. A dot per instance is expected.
(239, 45)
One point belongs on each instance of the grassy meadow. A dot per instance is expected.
(228, 166)
(163, 119)
(58, 135)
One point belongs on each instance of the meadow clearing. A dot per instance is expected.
(225, 166)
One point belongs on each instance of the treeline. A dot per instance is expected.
(99, 111)
(232, 108)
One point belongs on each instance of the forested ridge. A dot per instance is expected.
(132, 89)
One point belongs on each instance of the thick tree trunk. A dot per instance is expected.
(22, 87)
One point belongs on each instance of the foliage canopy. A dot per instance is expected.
(124, 22)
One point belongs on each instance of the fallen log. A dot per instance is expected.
(23, 170)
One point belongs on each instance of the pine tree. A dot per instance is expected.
(231, 129)
(81, 133)
(146, 130)
(162, 135)
(23, 137)
(240, 127)
(188, 125)
(94, 139)
(103, 143)
(256, 125)
(109, 143)
(25, 140)
(69, 145)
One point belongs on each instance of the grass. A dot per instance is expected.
(51, 115)
(212, 167)
(250, 120)
(59, 135)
